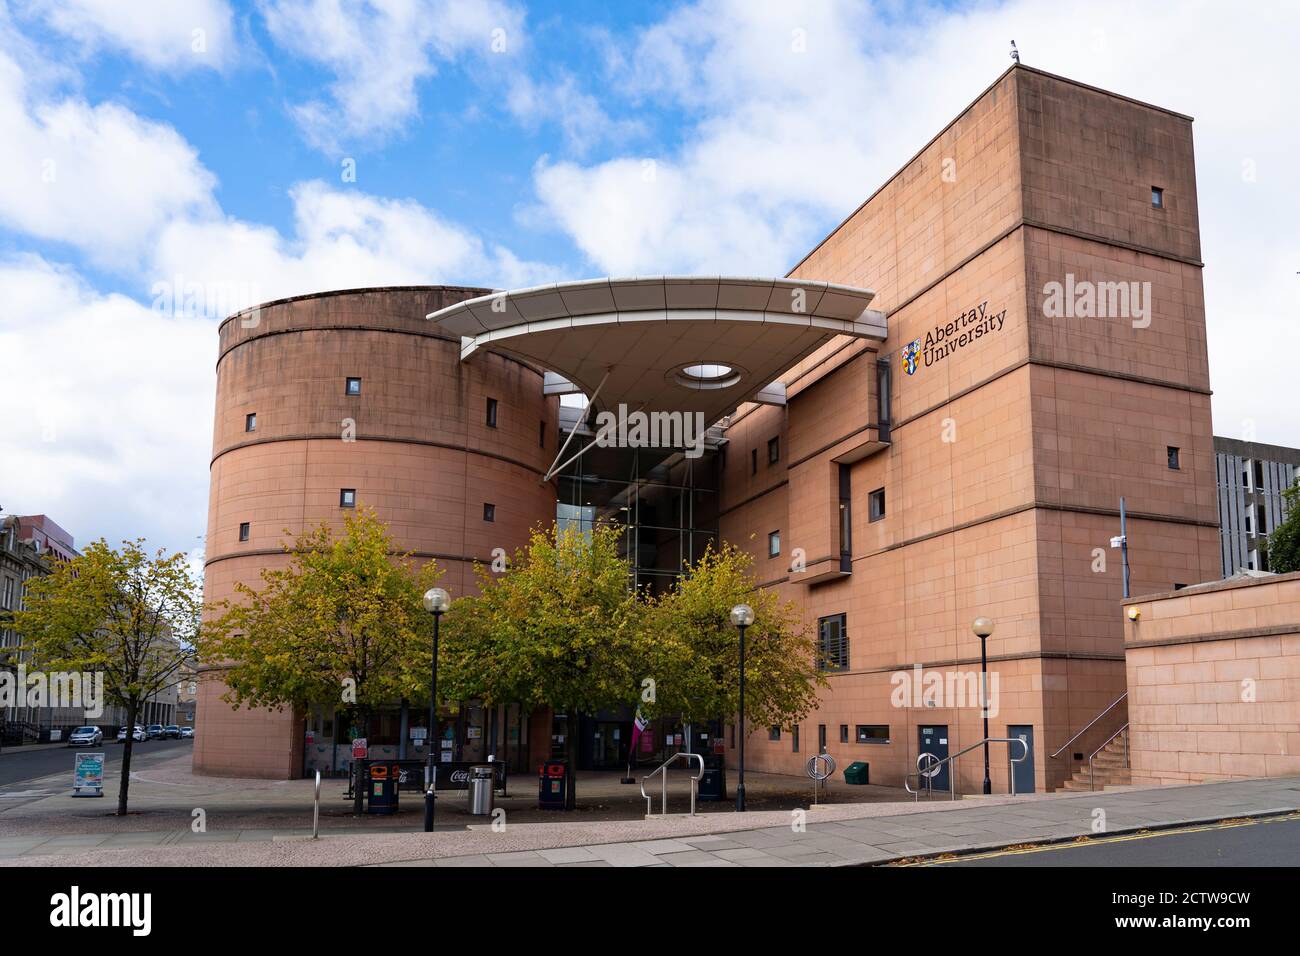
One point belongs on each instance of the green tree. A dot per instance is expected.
(560, 627)
(693, 650)
(1284, 542)
(341, 625)
(132, 617)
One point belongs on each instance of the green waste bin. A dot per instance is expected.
(857, 772)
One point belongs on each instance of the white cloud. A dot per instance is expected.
(162, 34)
(780, 144)
(379, 50)
(108, 408)
(342, 239)
(99, 178)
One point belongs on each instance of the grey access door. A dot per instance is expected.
(1024, 770)
(934, 739)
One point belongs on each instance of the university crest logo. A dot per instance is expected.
(911, 351)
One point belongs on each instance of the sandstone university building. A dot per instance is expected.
(932, 418)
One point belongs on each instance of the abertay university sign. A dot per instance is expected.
(943, 340)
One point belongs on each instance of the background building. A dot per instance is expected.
(1251, 479)
(962, 456)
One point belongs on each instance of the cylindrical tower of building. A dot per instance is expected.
(352, 399)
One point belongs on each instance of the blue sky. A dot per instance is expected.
(506, 143)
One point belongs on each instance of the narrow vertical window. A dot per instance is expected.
(1157, 197)
(846, 519)
(243, 531)
(250, 422)
(491, 413)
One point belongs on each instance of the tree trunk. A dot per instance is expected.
(124, 786)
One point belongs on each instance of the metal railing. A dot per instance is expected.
(1092, 770)
(1089, 725)
(931, 767)
(663, 776)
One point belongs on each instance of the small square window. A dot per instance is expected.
(347, 497)
(250, 422)
(243, 531)
(876, 504)
(1158, 197)
(844, 733)
(489, 512)
(773, 544)
(1172, 455)
(774, 732)
(773, 450)
(753, 461)
(491, 413)
(353, 386)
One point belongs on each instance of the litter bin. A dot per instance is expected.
(381, 793)
(482, 780)
(552, 785)
(857, 772)
(713, 782)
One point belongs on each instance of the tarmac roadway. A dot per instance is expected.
(1268, 841)
(20, 764)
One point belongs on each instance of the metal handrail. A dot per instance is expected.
(661, 770)
(1092, 774)
(931, 769)
(1089, 725)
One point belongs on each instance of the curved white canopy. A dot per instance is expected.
(636, 336)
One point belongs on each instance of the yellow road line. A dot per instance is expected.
(1102, 839)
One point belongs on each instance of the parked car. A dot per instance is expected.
(85, 737)
(154, 731)
(172, 732)
(187, 732)
(138, 735)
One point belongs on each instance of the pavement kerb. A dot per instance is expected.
(1066, 840)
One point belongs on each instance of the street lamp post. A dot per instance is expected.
(983, 627)
(742, 615)
(436, 602)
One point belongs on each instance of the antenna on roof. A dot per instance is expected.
(1015, 54)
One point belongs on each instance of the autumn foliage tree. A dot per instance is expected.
(131, 616)
(693, 649)
(560, 627)
(1284, 542)
(341, 625)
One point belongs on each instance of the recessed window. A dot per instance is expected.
(489, 512)
(773, 450)
(753, 461)
(347, 497)
(844, 733)
(491, 413)
(773, 543)
(832, 643)
(873, 733)
(541, 434)
(774, 732)
(876, 504)
(1158, 197)
(250, 422)
(1172, 456)
(243, 531)
(353, 386)
(794, 739)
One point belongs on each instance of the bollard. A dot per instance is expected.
(315, 813)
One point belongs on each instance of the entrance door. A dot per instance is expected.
(1024, 770)
(609, 746)
(934, 740)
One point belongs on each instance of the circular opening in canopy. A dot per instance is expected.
(705, 375)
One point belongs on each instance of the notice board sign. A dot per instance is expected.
(88, 775)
